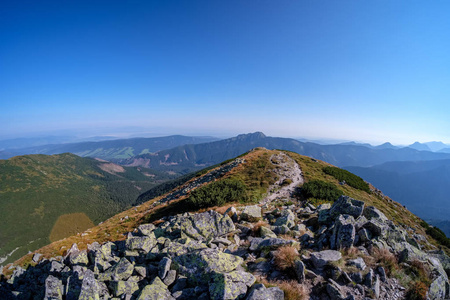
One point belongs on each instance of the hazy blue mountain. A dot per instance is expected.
(445, 150)
(386, 146)
(113, 149)
(421, 186)
(187, 158)
(436, 146)
(419, 146)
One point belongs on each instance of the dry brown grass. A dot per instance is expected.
(285, 256)
(351, 252)
(256, 229)
(386, 259)
(291, 288)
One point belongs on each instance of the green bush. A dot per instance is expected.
(321, 190)
(436, 234)
(349, 178)
(217, 193)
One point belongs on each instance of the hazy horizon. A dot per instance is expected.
(348, 71)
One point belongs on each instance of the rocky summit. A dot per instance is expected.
(282, 247)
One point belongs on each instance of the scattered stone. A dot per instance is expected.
(300, 270)
(53, 288)
(357, 262)
(251, 213)
(322, 258)
(155, 291)
(164, 267)
(346, 206)
(260, 292)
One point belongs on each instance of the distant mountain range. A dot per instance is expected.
(111, 149)
(192, 157)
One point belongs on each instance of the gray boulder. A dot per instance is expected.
(287, 218)
(251, 213)
(206, 226)
(343, 233)
(270, 243)
(155, 291)
(90, 289)
(198, 265)
(322, 258)
(53, 288)
(300, 270)
(141, 243)
(260, 292)
(164, 267)
(231, 285)
(372, 212)
(346, 206)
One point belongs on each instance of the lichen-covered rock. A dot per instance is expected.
(155, 291)
(142, 243)
(260, 292)
(251, 213)
(231, 285)
(438, 289)
(90, 289)
(206, 226)
(346, 206)
(198, 265)
(146, 229)
(270, 243)
(322, 258)
(371, 212)
(121, 271)
(344, 232)
(164, 267)
(287, 218)
(120, 287)
(53, 288)
(300, 270)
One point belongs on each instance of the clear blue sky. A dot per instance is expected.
(358, 70)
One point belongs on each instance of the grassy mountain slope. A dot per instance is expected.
(257, 175)
(188, 158)
(114, 149)
(39, 195)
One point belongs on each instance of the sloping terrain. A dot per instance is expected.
(221, 235)
(114, 149)
(39, 193)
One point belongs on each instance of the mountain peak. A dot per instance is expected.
(257, 135)
(419, 146)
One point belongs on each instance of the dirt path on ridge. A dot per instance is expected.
(286, 168)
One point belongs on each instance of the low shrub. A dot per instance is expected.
(217, 193)
(320, 190)
(418, 291)
(436, 234)
(349, 178)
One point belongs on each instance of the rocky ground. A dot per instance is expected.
(338, 251)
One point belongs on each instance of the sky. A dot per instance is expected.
(371, 71)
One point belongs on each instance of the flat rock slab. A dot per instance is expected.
(322, 258)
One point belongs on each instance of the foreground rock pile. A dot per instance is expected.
(214, 256)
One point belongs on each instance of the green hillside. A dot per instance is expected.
(45, 198)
